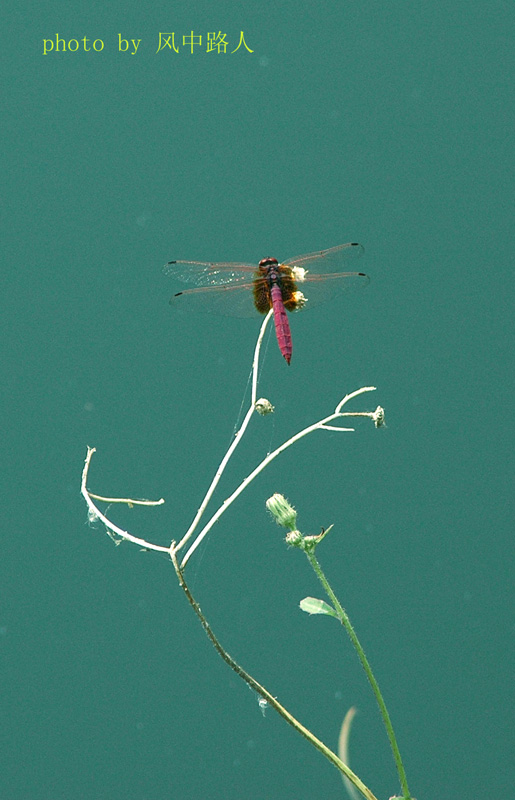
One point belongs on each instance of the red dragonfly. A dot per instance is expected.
(239, 289)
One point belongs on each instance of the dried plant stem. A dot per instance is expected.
(95, 513)
(214, 483)
(129, 501)
(272, 701)
(320, 425)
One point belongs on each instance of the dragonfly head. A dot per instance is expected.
(268, 262)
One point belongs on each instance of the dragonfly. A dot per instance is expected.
(240, 289)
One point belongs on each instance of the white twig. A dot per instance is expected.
(214, 483)
(351, 395)
(321, 424)
(127, 500)
(95, 513)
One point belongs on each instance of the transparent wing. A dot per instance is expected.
(238, 300)
(333, 259)
(226, 288)
(318, 289)
(209, 273)
(228, 301)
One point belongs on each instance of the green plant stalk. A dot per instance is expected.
(271, 700)
(344, 619)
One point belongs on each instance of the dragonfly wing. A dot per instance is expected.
(227, 288)
(318, 289)
(209, 273)
(335, 258)
(229, 301)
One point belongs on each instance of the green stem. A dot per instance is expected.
(271, 700)
(344, 619)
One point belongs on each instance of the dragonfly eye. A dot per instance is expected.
(268, 262)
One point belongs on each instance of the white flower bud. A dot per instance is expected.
(264, 406)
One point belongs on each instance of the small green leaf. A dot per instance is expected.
(312, 605)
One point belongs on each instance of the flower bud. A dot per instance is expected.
(264, 406)
(295, 539)
(283, 513)
(378, 417)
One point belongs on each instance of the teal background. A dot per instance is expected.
(390, 124)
